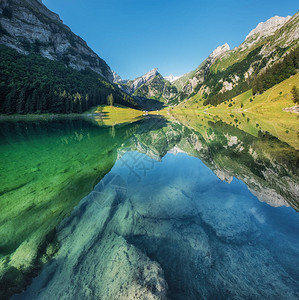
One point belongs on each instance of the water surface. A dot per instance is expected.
(149, 210)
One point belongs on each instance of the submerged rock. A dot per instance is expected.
(95, 263)
(171, 241)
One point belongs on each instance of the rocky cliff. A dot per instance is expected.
(171, 78)
(29, 26)
(269, 27)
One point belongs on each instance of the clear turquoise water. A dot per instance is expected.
(180, 214)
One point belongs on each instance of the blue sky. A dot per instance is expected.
(135, 36)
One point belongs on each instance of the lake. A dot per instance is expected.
(153, 209)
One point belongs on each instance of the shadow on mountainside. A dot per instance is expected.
(149, 104)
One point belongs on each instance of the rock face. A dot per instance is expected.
(28, 26)
(218, 52)
(286, 37)
(151, 85)
(101, 264)
(138, 82)
(268, 28)
(171, 78)
(118, 79)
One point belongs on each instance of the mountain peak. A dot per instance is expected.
(118, 79)
(151, 73)
(147, 76)
(269, 27)
(171, 78)
(219, 51)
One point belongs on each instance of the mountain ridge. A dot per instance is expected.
(46, 68)
(269, 27)
(29, 25)
(233, 70)
(151, 85)
(171, 78)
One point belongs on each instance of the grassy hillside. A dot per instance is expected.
(250, 65)
(195, 102)
(233, 57)
(112, 115)
(264, 112)
(274, 100)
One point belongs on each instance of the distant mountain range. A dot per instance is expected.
(30, 28)
(224, 70)
(151, 85)
(171, 78)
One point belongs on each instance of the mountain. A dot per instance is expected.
(28, 25)
(198, 76)
(46, 68)
(171, 78)
(227, 73)
(267, 28)
(151, 85)
(36, 33)
(268, 35)
(118, 79)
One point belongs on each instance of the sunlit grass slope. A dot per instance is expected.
(264, 112)
(112, 115)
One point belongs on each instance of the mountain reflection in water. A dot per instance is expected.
(184, 213)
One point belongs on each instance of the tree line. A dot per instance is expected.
(273, 75)
(277, 73)
(34, 84)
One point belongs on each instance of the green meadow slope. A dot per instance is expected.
(265, 111)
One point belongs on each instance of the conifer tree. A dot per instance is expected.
(295, 94)
(110, 100)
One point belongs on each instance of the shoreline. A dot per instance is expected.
(46, 117)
